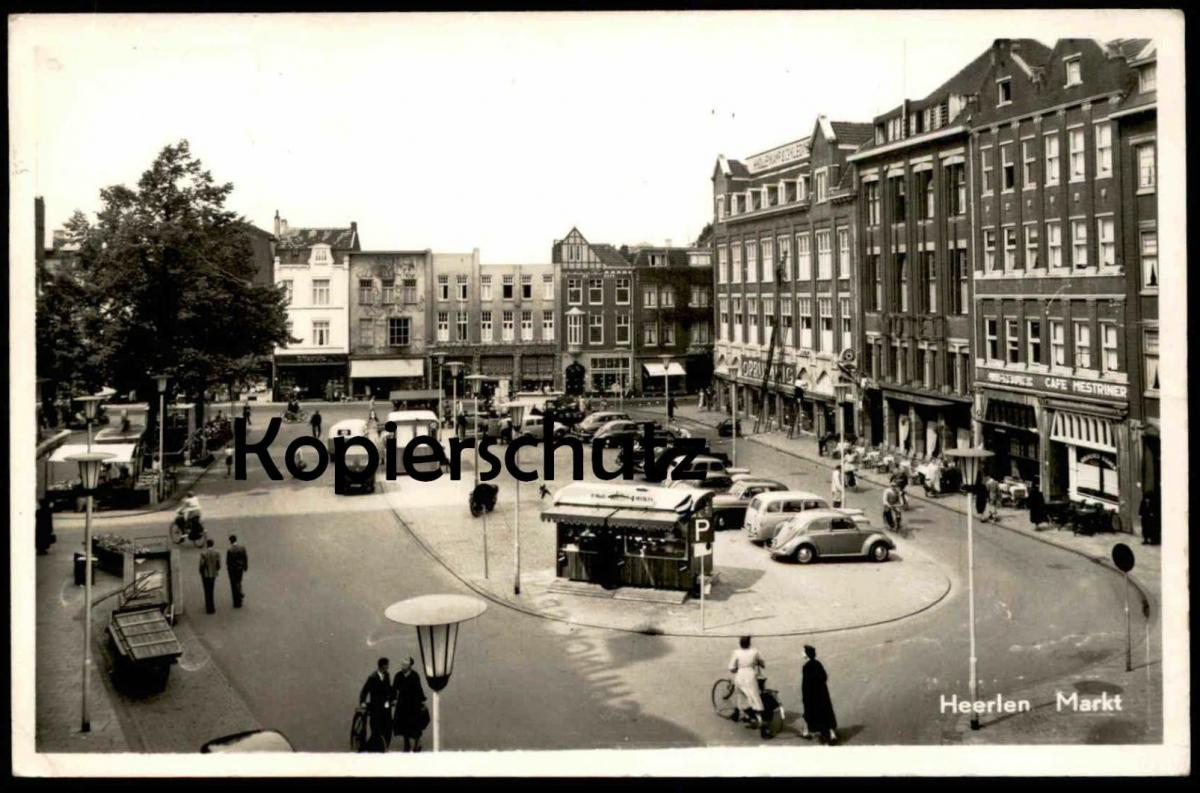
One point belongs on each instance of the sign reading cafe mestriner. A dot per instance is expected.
(1060, 384)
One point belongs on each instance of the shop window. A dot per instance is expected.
(1094, 474)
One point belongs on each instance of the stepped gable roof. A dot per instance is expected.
(336, 238)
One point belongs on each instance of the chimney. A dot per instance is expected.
(353, 226)
(283, 227)
(668, 242)
(277, 223)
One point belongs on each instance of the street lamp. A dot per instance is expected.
(454, 366)
(162, 420)
(666, 362)
(517, 413)
(843, 391)
(478, 380)
(969, 460)
(436, 618)
(89, 474)
(733, 416)
(91, 405)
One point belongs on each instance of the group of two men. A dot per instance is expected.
(237, 563)
(395, 706)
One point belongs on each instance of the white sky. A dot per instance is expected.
(474, 130)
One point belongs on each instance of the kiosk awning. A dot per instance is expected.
(581, 516)
(387, 367)
(643, 519)
(657, 370)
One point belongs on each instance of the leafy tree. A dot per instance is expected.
(705, 235)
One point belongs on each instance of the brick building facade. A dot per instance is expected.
(672, 316)
(389, 329)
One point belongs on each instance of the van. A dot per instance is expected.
(357, 458)
(413, 424)
(767, 511)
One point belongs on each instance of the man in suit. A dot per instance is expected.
(238, 563)
(210, 566)
(376, 697)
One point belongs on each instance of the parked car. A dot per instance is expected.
(829, 534)
(252, 741)
(586, 428)
(729, 509)
(725, 428)
(614, 433)
(533, 426)
(767, 511)
(716, 483)
(706, 463)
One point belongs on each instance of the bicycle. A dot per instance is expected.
(358, 729)
(724, 701)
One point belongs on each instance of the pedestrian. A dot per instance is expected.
(1148, 511)
(210, 566)
(744, 664)
(460, 422)
(819, 717)
(993, 497)
(238, 563)
(228, 460)
(315, 421)
(376, 698)
(837, 490)
(411, 716)
(891, 507)
(1037, 506)
(246, 413)
(902, 487)
(671, 409)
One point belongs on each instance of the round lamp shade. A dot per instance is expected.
(436, 618)
(90, 405)
(89, 467)
(969, 459)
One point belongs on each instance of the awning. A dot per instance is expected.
(122, 453)
(496, 365)
(415, 396)
(1010, 414)
(1080, 430)
(657, 369)
(643, 519)
(917, 399)
(387, 367)
(579, 516)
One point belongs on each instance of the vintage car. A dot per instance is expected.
(615, 433)
(714, 482)
(768, 511)
(729, 509)
(830, 534)
(357, 458)
(586, 428)
(533, 426)
(725, 428)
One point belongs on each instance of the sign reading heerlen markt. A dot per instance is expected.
(1061, 385)
(779, 156)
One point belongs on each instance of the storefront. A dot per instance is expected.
(1010, 431)
(317, 376)
(377, 377)
(654, 374)
(919, 425)
(1083, 449)
(537, 372)
(607, 371)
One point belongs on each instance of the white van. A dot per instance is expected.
(412, 424)
(768, 510)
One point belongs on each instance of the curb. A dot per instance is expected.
(162, 507)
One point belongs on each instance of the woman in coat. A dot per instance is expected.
(411, 716)
(744, 664)
(1037, 506)
(814, 692)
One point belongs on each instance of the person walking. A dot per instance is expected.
(1148, 511)
(993, 497)
(315, 422)
(411, 716)
(891, 507)
(376, 698)
(246, 413)
(819, 717)
(210, 566)
(238, 563)
(228, 460)
(1037, 506)
(902, 487)
(837, 488)
(671, 409)
(744, 664)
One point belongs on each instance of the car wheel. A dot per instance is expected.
(880, 552)
(805, 554)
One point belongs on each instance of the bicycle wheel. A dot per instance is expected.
(723, 698)
(358, 731)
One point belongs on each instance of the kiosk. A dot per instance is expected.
(632, 535)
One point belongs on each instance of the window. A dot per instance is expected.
(595, 291)
(700, 297)
(1008, 169)
(1103, 150)
(1054, 244)
(824, 255)
(961, 274)
(751, 261)
(409, 285)
(768, 260)
(623, 291)
(575, 291)
(1148, 78)
(899, 206)
(321, 333)
(768, 312)
(822, 185)
(1075, 140)
(321, 254)
(650, 335)
(1074, 71)
(1012, 341)
(956, 183)
(720, 207)
(1146, 172)
(1031, 247)
(989, 250)
(1004, 91)
(875, 277)
(398, 331)
(843, 253)
(925, 194)
(596, 328)
(547, 287)
(785, 257)
(737, 319)
(668, 297)
(650, 296)
(1010, 248)
(985, 166)
(527, 287)
(993, 342)
(1104, 238)
(1108, 347)
(486, 331)
(752, 319)
(736, 262)
(506, 325)
(388, 291)
(506, 287)
(1033, 341)
(872, 189)
(547, 326)
(622, 328)
(802, 187)
(931, 281)
(366, 291)
(366, 332)
(1029, 162)
(1058, 344)
(461, 289)
(443, 285)
(701, 333)
(1083, 345)
(1050, 144)
(320, 292)
(485, 288)
(847, 323)
(1149, 250)
(722, 265)
(668, 334)
(803, 257)
(460, 326)
(806, 323)
(443, 326)
(785, 314)
(724, 318)
(287, 290)
(1150, 352)
(1079, 245)
(902, 279)
(527, 324)
(574, 329)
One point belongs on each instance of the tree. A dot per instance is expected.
(705, 236)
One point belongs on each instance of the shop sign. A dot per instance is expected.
(755, 369)
(310, 359)
(776, 157)
(1059, 384)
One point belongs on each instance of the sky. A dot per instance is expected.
(462, 131)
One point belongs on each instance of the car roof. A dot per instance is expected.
(354, 426)
(760, 483)
(783, 495)
(817, 514)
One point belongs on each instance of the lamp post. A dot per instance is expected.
(666, 362)
(733, 417)
(454, 366)
(436, 618)
(478, 379)
(91, 405)
(89, 474)
(843, 396)
(970, 459)
(162, 420)
(517, 412)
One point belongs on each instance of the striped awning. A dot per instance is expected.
(1080, 430)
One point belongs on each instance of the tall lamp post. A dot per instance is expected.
(91, 406)
(454, 367)
(517, 412)
(89, 474)
(477, 380)
(843, 391)
(162, 420)
(733, 413)
(666, 362)
(969, 460)
(436, 618)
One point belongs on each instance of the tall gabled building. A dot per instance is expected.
(672, 316)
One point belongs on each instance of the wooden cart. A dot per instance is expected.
(141, 640)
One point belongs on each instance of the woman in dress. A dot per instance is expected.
(410, 717)
(744, 664)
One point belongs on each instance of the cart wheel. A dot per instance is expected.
(722, 698)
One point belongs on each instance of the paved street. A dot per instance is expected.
(323, 568)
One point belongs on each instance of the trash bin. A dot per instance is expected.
(81, 566)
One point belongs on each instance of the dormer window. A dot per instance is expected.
(720, 207)
(1004, 91)
(1074, 68)
(1147, 78)
(321, 254)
